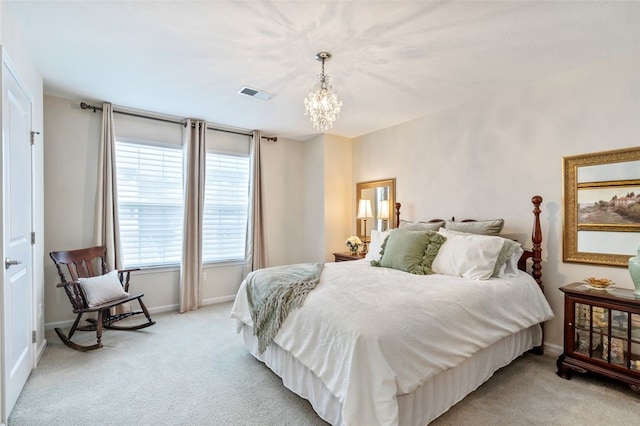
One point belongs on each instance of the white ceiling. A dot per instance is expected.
(393, 61)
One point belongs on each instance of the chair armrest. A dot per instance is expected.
(124, 275)
(68, 284)
(75, 294)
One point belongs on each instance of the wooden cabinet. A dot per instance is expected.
(343, 257)
(601, 333)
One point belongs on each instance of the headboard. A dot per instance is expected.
(535, 253)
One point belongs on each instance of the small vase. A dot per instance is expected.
(634, 271)
(353, 251)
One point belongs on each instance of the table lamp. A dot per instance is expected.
(383, 212)
(364, 212)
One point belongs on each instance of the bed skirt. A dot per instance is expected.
(417, 408)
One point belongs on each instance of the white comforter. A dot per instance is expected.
(373, 333)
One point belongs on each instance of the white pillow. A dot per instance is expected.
(510, 266)
(102, 289)
(468, 256)
(375, 245)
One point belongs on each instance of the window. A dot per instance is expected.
(225, 207)
(151, 203)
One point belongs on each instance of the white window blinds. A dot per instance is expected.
(150, 203)
(225, 207)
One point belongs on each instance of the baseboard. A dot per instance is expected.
(156, 310)
(59, 324)
(216, 300)
(41, 350)
(165, 308)
(551, 349)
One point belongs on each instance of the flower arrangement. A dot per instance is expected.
(353, 242)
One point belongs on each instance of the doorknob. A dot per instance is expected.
(8, 262)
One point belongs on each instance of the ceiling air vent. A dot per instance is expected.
(255, 93)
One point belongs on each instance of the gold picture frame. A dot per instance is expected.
(601, 193)
(376, 191)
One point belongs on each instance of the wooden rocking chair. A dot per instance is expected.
(87, 263)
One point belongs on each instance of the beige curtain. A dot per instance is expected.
(255, 253)
(106, 227)
(194, 146)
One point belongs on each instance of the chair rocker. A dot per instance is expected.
(87, 263)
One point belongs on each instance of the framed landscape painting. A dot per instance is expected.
(609, 206)
(601, 207)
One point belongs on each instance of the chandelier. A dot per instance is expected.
(322, 104)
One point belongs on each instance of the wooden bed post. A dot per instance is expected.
(398, 214)
(536, 238)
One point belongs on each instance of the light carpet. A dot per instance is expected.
(192, 369)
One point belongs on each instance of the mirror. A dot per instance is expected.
(601, 207)
(382, 198)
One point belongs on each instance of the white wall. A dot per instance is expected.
(486, 159)
(339, 194)
(283, 192)
(313, 199)
(328, 195)
(71, 153)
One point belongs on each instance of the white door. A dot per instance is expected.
(16, 230)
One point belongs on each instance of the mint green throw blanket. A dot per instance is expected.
(273, 292)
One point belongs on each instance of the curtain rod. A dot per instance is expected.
(84, 105)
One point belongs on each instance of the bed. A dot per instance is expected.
(377, 345)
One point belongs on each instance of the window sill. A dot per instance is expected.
(172, 268)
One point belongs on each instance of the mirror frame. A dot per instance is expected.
(570, 165)
(391, 183)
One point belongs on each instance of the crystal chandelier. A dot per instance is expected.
(322, 104)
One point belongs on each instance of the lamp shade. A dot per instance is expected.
(383, 212)
(364, 209)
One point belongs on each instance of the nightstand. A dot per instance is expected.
(344, 257)
(601, 333)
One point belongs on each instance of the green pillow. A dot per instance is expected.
(421, 226)
(410, 251)
(480, 227)
(508, 249)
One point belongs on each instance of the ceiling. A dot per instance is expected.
(393, 61)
